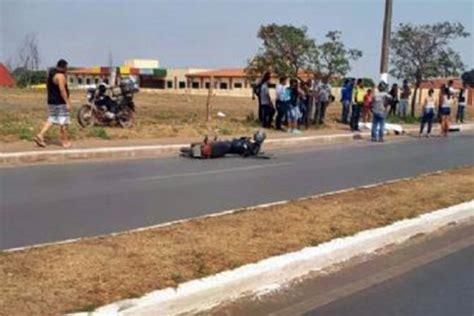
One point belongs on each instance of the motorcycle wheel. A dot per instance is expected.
(85, 116)
(125, 118)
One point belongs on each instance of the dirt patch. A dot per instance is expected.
(95, 271)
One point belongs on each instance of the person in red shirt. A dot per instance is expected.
(367, 104)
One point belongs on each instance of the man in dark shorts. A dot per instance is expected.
(59, 104)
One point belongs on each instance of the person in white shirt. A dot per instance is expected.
(324, 94)
(282, 99)
(427, 114)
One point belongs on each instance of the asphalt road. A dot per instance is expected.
(429, 275)
(48, 203)
(443, 287)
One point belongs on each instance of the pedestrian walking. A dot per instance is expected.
(404, 96)
(427, 113)
(446, 111)
(395, 99)
(380, 102)
(367, 106)
(59, 105)
(359, 93)
(268, 110)
(461, 104)
(346, 99)
(282, 99)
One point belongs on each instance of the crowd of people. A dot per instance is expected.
(301, 103)
(297, 103)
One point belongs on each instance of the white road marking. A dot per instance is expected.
(209, 172)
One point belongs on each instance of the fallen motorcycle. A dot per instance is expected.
(243, 146)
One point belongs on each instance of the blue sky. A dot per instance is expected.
(208, 33)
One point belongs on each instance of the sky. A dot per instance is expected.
(208, 33)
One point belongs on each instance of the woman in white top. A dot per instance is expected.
(427, 113)
(445, 110)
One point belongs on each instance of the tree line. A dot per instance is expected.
(417, 53)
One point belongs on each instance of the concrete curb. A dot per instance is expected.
(138, 151)
(156, 150)
(200, 295)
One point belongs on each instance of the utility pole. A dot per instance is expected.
(387, 26)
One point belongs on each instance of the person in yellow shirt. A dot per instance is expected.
(359, 94)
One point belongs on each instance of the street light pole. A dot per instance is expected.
(387, 24)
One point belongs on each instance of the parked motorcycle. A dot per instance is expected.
(102, 109)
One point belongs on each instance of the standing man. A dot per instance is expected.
(359, 94)
(461, 103)
(324, 93)
(404, 96)
(346, 97)
(282, 99)
(256, 92)
(309, 102)
(268, 111)
(380, 102)
(59, 104)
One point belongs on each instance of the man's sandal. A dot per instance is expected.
(39, 141)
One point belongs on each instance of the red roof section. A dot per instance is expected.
(436, 83)
(6, 79)
(227, 73)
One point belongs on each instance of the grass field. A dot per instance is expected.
(23, 111)
(82, 275)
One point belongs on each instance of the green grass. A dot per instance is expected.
(84, 309)
(25, 133)
(98, 132)
(176, 277)
(403, 120)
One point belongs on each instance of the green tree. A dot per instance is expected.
(334, 59)
(421, 52)
(24, 77)
(468, 78)
(286, 50)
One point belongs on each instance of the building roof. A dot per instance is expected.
(227, 73)
(6, 79)
(89, 71)
(236, 73)
(436, 83)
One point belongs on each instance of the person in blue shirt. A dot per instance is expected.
(346, 99)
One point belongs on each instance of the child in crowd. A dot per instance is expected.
(367, 105)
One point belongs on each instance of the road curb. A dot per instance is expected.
(138, 151)
(202, 294)
(157, 150)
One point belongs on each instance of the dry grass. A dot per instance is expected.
(97, 271)
(22, 112)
